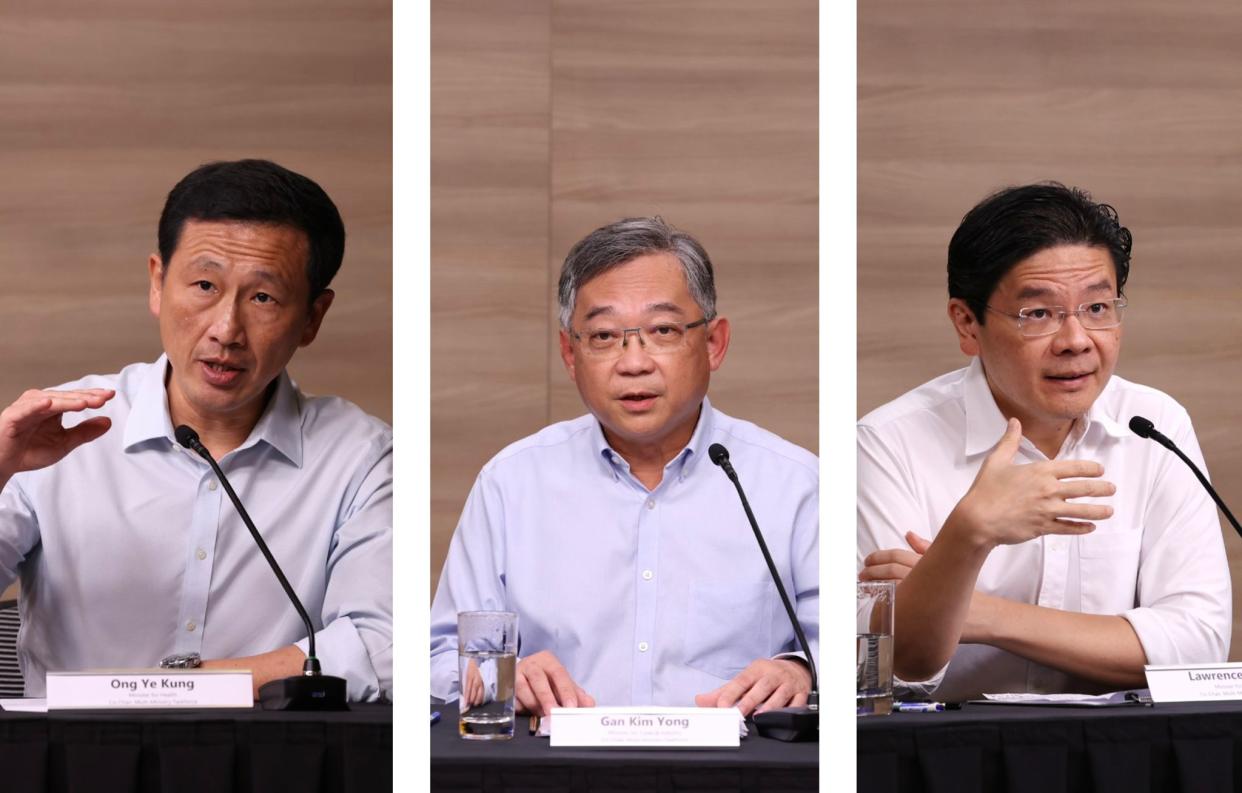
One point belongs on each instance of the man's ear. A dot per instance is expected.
(718, 334)
(318, 309)
(155, 273)
(966, 324)
(567, 354)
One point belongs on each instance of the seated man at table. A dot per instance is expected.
(624, 551)
(127, 547)
(1040, 545)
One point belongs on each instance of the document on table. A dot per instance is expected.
(1112, 699)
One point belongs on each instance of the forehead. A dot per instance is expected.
(1062, 270)
(276, 249)
(648, 280)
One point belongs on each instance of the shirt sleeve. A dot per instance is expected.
(1184, 613)
(472, 579)
(19, 530)
(356, 640)
(887, 509)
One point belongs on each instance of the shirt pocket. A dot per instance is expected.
(1108, 570)
(728, 626)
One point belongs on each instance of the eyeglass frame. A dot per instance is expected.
(1062, 314)
(625, 336)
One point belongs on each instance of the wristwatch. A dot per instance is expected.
(182, 661)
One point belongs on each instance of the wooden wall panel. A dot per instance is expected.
(1137, 103)
(704, 112)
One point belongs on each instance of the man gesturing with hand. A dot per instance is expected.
(1039, 546)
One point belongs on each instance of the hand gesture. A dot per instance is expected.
(764, 685)
(31, 433)
(894, 564)
(542, 684)
(1009, 504)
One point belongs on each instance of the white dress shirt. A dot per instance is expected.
(1159, 561)
(646, 597)
(129, 549)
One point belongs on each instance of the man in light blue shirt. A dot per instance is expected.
(128, 548)
(624, 551)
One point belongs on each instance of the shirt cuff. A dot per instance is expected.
(918, 689)
(342, 654)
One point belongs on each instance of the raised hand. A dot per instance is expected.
(32, 435)
(1009, 504)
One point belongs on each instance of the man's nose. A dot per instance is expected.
(227, 328)
(1071, 336)
(634, 356)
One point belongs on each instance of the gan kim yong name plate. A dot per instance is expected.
(633, 727)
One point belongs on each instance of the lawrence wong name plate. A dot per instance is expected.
(149, 688)
(634, 727)
(1195, 683)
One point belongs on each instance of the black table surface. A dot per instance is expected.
(216, 750)
(758, 764)
(1172, 746)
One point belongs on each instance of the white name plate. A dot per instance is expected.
(635, 727)
(125, 689)
(1195, 682)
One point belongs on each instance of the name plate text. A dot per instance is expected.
(1195, 682)
(634, 727)
(126, 689)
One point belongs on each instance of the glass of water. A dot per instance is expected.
(875, 647)
(486, 666)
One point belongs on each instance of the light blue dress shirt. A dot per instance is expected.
(646, 597)
(130, 550)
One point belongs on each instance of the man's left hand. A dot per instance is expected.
(764, 685)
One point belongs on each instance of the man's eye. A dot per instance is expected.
(205, 286)
(1098, 308)
(1038, 314)
(663, 330)
(603, 335)
(264, 297)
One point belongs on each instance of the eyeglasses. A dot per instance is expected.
(1036, 321)
(658, 338)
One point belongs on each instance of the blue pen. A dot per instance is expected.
(435, 716)
(918, 707)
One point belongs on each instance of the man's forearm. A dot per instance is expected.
(265, 667)
(1098, 647)
(933, 603)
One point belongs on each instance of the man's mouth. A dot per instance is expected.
(1070, 378)
(638, 400)
(220, 373)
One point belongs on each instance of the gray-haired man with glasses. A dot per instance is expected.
(623, 549)
(1040, 546)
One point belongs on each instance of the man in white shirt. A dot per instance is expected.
(1039, 545)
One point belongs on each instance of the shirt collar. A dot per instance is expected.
(280, 426)
(685, 459)
(985, 424)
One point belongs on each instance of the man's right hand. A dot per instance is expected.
(1009, 504)
(31, 433)
(543, 684)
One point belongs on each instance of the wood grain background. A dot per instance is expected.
(553, 117)
(1136, 102)
(103, 107)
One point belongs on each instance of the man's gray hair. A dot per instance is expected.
(617, 243)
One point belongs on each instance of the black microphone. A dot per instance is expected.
(313, 690)
(783, 724)
(1145, 429)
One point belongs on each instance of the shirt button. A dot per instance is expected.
(191, 625)
(201, 554)
(648, 575)
(651, 503)
(642, 647)
(212, 485)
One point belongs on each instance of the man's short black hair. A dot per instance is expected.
(258, 191)
(1018, 222)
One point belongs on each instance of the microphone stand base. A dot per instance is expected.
(788, 724)
(305, 692)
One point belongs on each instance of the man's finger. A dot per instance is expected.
(1060, 526)
(884, 572)
(708, 698)
(585, 700)
(1007, 448)
(86, 432)
(526, 702)
(1083, 488)
(891, 556)
(564, 688)
(1084, 511)
(918, 543)
(1073, 469)
(779, 698)
(757, 693)
(538, 681)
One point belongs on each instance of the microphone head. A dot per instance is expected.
(187, 437)
(1142, 427)
(718, 454)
